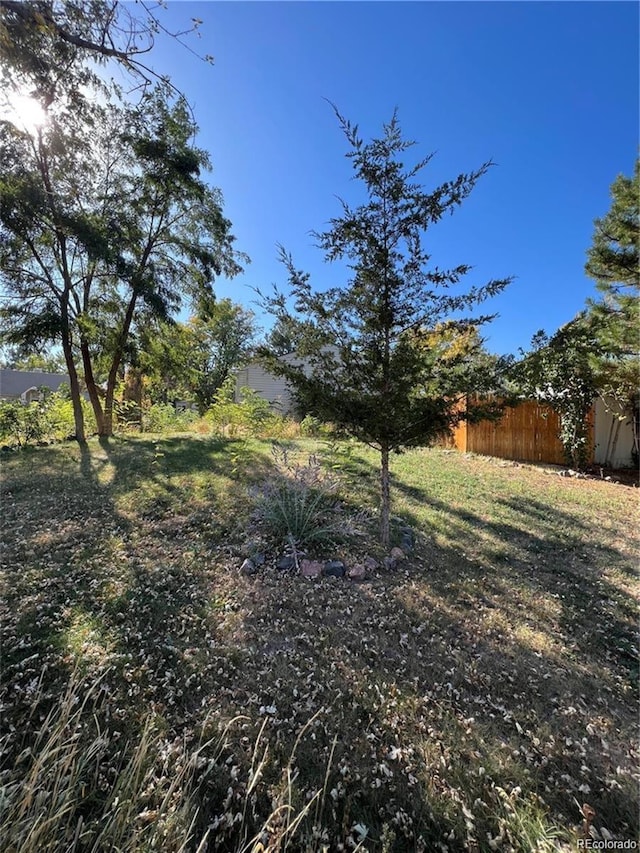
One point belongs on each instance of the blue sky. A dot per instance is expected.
(548, 91)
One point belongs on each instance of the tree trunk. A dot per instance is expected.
(385, 496)
(635, 426)
(115, 365)
(607, 452)
(76, 401)
(107, 423)
(132, 394)
(92, 390)
(611, 450)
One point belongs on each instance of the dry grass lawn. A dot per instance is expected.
(475, 698)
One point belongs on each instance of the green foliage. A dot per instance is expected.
(49, 419)
(311, 427)
(558, 371)
(298, 506)
(41, 40)
(49, 362)
(163, 417)
(614, 262)
(106, 215)
(251, 415)
(613, 258)
(193, 360)
(22, 424)
(282, 339)
(365, 361)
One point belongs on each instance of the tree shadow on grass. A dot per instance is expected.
(91, 582)
(542, 551)
(462, 660)
(419, 686)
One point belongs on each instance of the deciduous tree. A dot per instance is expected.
(192, 360)
(558, 371)
(104, 213)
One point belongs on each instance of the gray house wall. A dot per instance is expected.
(24, 384)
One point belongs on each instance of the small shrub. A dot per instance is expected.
(163, 417)
(49, 419)
(311, 427)
(250, 416)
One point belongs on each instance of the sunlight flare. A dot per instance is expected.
(23, 112)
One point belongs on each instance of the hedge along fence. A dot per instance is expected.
(528, 432)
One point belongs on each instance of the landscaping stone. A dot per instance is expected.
(285, 563)
(248, 568)
(311, 568)
(407, 539)
(396, 556)
(370, 564)
(357, 572)
(334, 568)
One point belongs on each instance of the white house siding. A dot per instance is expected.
(272, 388)
(605, 428)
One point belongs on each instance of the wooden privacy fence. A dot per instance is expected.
(527, 432)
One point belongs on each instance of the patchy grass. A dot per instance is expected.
(154, 698)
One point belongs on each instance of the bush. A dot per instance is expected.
(311, 427)
(50, 419)
(251, 416)
(163, 417)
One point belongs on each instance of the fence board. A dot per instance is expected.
(527, 432)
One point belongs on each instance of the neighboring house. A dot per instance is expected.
(274, 389)
(24, 385)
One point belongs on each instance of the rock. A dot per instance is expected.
(310, 568)
(357, 572)
(334, 568)
(370, 564)
(258, 558)
(394, 559)
(248, 568)
(285, 563)
(407, 539)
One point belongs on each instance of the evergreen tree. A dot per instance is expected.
(366, 361)
(613, 261)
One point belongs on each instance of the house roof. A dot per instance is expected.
(13, 383)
